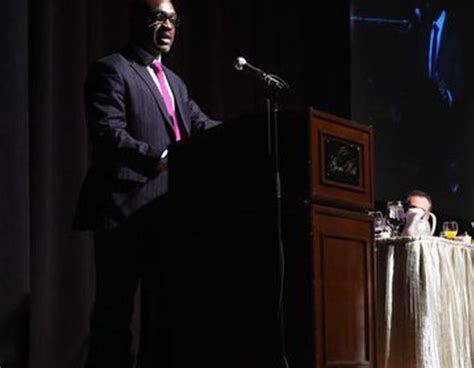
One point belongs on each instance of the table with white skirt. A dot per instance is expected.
(425, 303)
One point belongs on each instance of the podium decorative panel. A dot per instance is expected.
(341, 161)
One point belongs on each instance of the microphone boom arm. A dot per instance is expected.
(272, 82)
(398, 22)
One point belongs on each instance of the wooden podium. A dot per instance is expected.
(225, 273)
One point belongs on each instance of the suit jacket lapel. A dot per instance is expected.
(424, 49)
(445, 42)
(146, 77)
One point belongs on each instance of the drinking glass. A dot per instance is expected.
(379, 223)
(450, 229)
(395, 216)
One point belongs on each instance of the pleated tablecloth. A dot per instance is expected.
(425, 303)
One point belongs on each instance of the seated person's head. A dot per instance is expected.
(419, 199)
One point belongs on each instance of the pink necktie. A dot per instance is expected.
(158, 68)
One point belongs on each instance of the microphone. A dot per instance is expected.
(240, 64)
(417, 16)
(272, 81)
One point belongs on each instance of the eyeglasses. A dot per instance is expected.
(160, 18)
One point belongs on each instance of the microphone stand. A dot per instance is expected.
(274, 85)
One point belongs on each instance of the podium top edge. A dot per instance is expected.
(314, 113)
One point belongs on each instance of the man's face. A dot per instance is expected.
(420, 202)
(434, 7)
(159, 26)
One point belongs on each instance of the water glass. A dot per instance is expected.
(395, 216)
(379, 222)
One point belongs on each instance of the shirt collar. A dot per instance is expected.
(440, 21)
(143, 56)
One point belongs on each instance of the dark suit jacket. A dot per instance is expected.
(431, 120)
(450, 56)
(129, 129)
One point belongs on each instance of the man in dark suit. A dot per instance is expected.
(135, 108)
(436, 104)
(441, 59)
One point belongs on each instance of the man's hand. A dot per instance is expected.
(162, 165)
(443, 91)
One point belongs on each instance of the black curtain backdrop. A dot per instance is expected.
(14, 185)
(46, 272)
